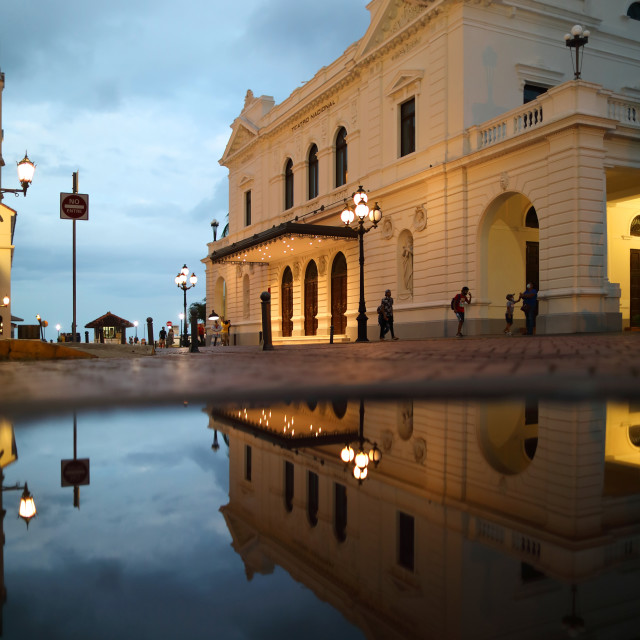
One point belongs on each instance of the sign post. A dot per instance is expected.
(74, 206)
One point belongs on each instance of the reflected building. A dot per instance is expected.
(511, 520)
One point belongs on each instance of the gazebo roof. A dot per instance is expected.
(108, 320)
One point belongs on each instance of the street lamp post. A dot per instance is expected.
(135, 324)
(360, 459)
(348, 215)
(181, 282)
(576, 40)
(26, 169)
(214, 228)
(58, 330)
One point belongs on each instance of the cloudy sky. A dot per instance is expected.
(138, 96)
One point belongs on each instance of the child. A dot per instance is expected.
(509, 313)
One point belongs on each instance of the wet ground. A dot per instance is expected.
(567, 366)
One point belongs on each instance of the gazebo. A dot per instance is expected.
(109, 328)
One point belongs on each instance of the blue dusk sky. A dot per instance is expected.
(138, 97)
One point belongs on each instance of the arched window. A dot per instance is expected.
(288, 184)
(339, 294)
(531, 219)
(339, 408)
(635, 226)
(341, 157)
(312, 498)
(634, 11)
(313, 172)
(311, 299)
(288, 485)
(340, 512)
(287, 302)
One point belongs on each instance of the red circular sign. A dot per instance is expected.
(75, 472)
(73, 206)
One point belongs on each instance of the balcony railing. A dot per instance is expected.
(557, 103)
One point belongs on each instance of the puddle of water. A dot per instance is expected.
(510, 520)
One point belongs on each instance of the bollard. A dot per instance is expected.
(86, 337)
(193, 348)
(150, 334)
(331, 334)
(265, 296)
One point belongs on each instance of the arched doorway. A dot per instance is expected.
(339, 294)
(311, 299)
(508, 435)
(508, 244)
(287, 303)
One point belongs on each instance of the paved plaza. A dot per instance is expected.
(563, 367)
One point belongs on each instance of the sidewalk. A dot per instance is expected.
(581, 367)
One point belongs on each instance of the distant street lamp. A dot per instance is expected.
(214, 227)
(181, 281)
(181, 316)
(135, 324)
(576, 40)
(348, 215)
(26, 169)
(58, 330)
(42, 323)
(360, 459)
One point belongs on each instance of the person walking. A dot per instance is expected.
(382, 321)
(458, 303)
(387, 306)
(170, 336)
(162, 337)
(508, 314)
(530, 307)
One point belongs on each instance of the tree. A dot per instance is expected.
(200, 310)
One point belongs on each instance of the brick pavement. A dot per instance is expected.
(564, 367)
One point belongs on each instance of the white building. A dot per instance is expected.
(492, 164)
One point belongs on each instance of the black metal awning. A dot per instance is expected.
(280, 242)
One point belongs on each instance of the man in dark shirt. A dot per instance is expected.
(387, 306)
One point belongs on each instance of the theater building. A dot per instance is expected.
(492, 163)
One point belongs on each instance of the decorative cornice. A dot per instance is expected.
(354, 70)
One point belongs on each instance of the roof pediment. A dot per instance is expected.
(403, 79)
(243, 133)
(387, 18)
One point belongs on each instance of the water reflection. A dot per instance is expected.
(509, 520)
(515, 519)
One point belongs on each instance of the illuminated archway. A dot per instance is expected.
(508, 249)
(508, 435)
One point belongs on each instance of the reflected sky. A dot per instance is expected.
(517, 519)
(148, 553)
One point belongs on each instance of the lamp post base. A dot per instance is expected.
(362, 327)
